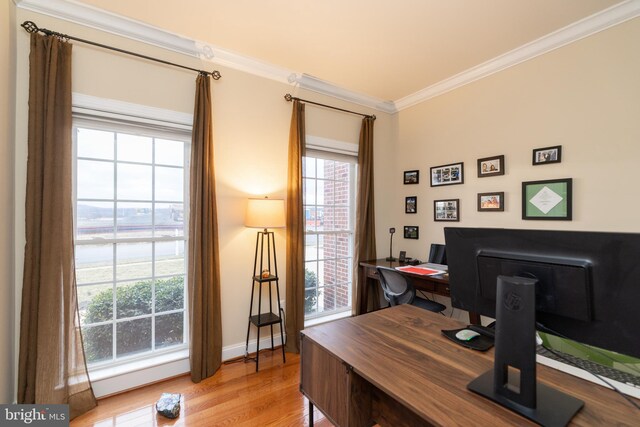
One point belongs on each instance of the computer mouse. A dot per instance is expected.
(466, 335)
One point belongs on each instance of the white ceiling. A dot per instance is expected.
(383, 49)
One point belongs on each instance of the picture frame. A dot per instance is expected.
(491, 202)
(546, 155)
(411, 204)
(446, 210)
(491, 166)
(450, 174)
(547, 200)
(411, 232)
(412, 177)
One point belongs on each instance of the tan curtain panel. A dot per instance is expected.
(52, 367)
(365, 234)
(295, 231)
(205, 320)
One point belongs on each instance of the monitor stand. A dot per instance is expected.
(512, 383)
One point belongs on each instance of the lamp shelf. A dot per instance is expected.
(265, 319)
(261, 279)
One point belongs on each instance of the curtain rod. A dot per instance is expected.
(289, 98)
(31, 27)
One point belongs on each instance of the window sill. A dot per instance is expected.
(329, 318)
(103, 373)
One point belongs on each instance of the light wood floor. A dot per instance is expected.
(235, 396)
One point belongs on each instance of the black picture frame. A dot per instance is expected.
(411, 177)
(411, 232)
(446, 210)
(491, 202)
(551, 199)
(450, 174)
(411, 204)
(547, 155)
(491, 166)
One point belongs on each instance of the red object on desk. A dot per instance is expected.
(420, 270)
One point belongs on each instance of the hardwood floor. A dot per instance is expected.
(235, 396)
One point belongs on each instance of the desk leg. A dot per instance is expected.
(363, 281)
(474, 318)
(310, 414)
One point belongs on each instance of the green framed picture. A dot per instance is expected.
(547, 200)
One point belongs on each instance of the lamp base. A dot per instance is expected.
(390, 258)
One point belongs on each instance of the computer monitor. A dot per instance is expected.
(586, 284)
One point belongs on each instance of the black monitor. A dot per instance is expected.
(587, 284)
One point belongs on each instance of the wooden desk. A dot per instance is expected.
(393, 367)
(438, 284)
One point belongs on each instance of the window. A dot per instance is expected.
(329, 209)
(130, 209)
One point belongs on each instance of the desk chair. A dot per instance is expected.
(437, 254)
(398, 290)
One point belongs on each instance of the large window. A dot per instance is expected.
(130, 216)
(329, 195)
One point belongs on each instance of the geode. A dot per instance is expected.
(169, 405)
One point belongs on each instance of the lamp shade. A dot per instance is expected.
(265, 213)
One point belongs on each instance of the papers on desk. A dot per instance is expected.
(423, 271)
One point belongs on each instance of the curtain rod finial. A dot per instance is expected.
(288, 97)
(30, 27)
(216, 75)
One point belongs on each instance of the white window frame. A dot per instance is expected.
(115, 116)
(329, 149)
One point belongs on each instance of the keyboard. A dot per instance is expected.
(592, 367)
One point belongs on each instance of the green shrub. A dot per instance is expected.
(133, 300)
(310, 298)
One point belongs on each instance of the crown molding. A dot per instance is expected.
(92, 17)
(578, 30)
(314, 84)
(99, 19)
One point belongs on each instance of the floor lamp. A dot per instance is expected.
(265, 213)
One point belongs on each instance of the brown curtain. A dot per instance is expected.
(205, 320)
(52, 367)
(365, 236)
(295, 231)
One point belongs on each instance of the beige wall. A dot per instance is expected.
(251, 129)
(584, 96)
(7, 73)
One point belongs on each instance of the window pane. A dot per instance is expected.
(94, 263)
(134, 260)
(134, 148)
(98, 343)
(169, 152)
(327, 272)
(134, 182)
(96, 144)
(328, 246)
(94, 220)
(169, 184)
(309, 191)
(324, 190)
(134, 220)
(133, 336)
(169, 330)
(310, 214)
(94, 180)
(169, 294)
(328, 302)
(95, 303)
(310, 301)
(169, 219)
(170, 258)
(325, 168)
(341, 217)
(310, 247)
(328, 219)
(343, 245)
(341, 193)
(133, 298)
(309, 167)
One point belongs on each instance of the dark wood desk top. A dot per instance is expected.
(401, 351)
(441, 278)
